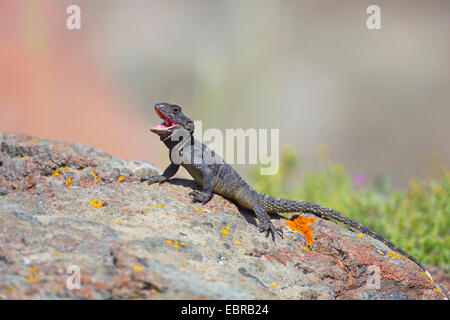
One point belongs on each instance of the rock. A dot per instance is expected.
(68, 210)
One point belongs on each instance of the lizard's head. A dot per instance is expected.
(173, 118)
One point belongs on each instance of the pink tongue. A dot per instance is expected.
(159, 127)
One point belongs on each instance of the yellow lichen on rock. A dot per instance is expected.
(224, 230)
(96, 203)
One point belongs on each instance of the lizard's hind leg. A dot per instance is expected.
(265, 225)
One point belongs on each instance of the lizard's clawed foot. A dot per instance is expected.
(154, 179)
(202, 197)
(269, 228)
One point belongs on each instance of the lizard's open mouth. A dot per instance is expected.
(166, 124)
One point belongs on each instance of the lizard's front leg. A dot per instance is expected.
(167, 174)
(205, 195)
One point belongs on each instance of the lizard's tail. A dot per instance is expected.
(276, 205)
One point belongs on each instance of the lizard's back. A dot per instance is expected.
(226, 180)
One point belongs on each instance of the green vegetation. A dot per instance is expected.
(416, 219)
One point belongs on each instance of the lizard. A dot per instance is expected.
(216, 176)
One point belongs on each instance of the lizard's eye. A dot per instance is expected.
(176, 109)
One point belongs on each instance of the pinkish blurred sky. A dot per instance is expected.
(379, 99)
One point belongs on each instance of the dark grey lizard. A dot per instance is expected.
(216, 176)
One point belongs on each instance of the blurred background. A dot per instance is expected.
(376, 101)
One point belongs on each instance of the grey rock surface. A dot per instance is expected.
(66, 208)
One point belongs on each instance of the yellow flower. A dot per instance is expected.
(95, 176)
(55, 173)
(120, 178)
(69, 181)
(414, 186)
(136, 267)
(437, 190)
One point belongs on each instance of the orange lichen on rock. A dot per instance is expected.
(302, 224)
